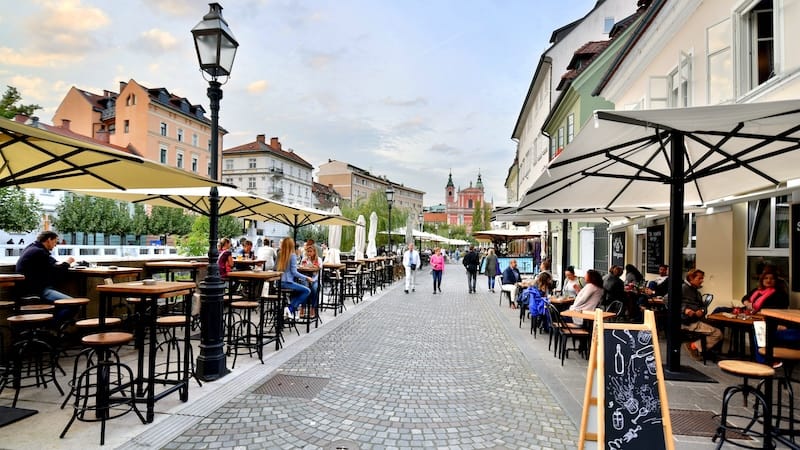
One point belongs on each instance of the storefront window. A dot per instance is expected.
(767, 238)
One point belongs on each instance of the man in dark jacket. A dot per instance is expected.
(471, 262)
(41, 270)
(693, 311)
(511, 282)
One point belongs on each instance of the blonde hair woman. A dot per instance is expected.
(287, 263)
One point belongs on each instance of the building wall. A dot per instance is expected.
(75, 108)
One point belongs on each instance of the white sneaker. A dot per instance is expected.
(286, 312)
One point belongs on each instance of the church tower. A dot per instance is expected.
(450, 192)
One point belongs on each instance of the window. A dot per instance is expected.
(720, 63)
(228, 180)
(130, 100)
(673, 90)
(560, 140)
(164, 155)
(163, 129)
(126, 126)
(194, 163)
(469, 203)
(195, 140)
(251, 183)
(210, 175)
(251, 163)
(756, 40)
(570, 127)
(228, 164)
(767, 237)
(180, 135)
(608, 24)
(179, 160)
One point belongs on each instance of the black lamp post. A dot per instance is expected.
(389, 201)
(421, 220)
(216, 49)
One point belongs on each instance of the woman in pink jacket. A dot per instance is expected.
(437, 268)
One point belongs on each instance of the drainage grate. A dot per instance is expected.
(343, 444)
(292, 386)
(689, 422)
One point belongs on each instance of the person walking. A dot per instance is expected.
(471, 262)
(410, 264)
(437, 269)
(491, 268)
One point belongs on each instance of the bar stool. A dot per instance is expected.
(34, 357)
(746, 370)
(87, 354)
(97, 384)
(244, 332)
(177, 363)
(790, 357)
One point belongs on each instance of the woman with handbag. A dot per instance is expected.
(437, 268)
(491, 268)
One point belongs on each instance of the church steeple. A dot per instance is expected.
(450, 180)
(450, 198)
(479, 184)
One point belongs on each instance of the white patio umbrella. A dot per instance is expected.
(361, 237)
(409, 230)
(334, 240)
(372, 249)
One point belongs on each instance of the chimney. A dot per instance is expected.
(261, 138)
(21, 118)
(275, 143)
(108, 94)
(122, 85)
(65, 124)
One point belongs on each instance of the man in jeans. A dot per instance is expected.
(471, 262)
(42, 271)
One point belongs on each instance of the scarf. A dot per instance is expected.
(759, 296)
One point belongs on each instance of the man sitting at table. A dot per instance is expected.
(511, 281)
(692, 313)
(41, 271)
(267, 253)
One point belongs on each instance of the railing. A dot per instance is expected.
(276, 171)
(96, 252)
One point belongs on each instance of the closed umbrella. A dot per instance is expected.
(334, 240)
(361, 237)
(372, 249)
(409, 230)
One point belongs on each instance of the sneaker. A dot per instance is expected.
(413, 290)
(286, 312)
(434, 292)
(406, 291)
(777, 364)
(693, 352)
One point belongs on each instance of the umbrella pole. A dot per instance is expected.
(678, 148)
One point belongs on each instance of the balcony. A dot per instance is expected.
(275, 193)
(276, 172)
(108, 113)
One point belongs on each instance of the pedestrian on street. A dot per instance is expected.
(437, 269)
(471, 262)
(410, 264)
(491, 268)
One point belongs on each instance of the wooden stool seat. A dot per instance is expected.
(6, 304)
(29, 318)
(171, 321)
(72, 302)
(108, 339)
(782, 353)
(95, 322)
(37, 308)
(244, 305)
(746, 369)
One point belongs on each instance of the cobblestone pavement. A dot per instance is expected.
(409, 371)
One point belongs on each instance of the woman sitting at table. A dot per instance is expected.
(225, 259)
(590, 296)
(766, 295)
(572, 284)
(312, 259)
(537, 295)
(287, 263)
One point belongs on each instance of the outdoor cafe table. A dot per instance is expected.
(255, 280)
(773, 318)
(112, 272)
(247, 264)
(10, 279)
(585, 315)
(151, 293)
(171, 267)
(740, 325)
(333, 275)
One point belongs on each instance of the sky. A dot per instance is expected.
(410, 89)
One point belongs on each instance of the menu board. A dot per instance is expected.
(633, 408)
(618, 249)
(655, 248)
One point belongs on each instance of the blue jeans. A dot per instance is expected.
(299, 295)
(491, 278)
(50, 295)
(789, 337)
(437, 279)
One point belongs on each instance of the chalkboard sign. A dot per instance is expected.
(795, 249)
(618, 249)
(632, 404)
(655, 248)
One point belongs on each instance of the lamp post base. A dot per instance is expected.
(211, 362)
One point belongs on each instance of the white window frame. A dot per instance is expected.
(179, 159)
(721, 54)
(164, 154)
(164, 129)
(228, 164)
(251, 183)
(745, 41)
(570, 127)
(195, 140)
(195, 159)
(179, 135)
(251, 163)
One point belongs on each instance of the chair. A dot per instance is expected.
(746, 370)
(616, 307)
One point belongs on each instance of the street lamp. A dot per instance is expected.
(421, 220)
(216, 49)
(389, 201)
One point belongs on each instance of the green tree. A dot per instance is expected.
(375, 202)
(165, 220)
(9, 107)
(71, 212)
(195, 243)
(139, 221)
(487, 216)
(477, 217)
(20, 212)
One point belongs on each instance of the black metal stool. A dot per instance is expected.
(96, 386)
(245, 333)
(87, 354)
(746, 370)
(178, 361)
(34, 356)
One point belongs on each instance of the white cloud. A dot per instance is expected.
(65, 26)
(257, 87)
(30, 58)
(176, 7)
(155, 41)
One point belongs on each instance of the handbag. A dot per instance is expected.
(413, 266)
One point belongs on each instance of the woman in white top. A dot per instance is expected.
(572, 285)
(590, 296)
